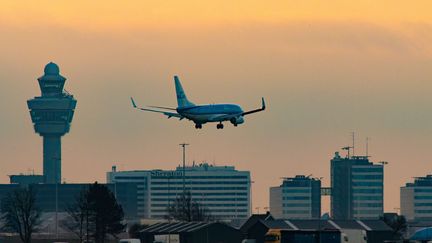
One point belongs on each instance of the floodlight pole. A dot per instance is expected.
(183, 145)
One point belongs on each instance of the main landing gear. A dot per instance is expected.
(220, 126)
(198, 126)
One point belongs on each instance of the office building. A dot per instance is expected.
(296, 198)
(52, 114)
(357, 188)
(222, 190)
(416, 199)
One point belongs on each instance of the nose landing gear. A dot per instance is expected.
(220, 126)
(198, 126)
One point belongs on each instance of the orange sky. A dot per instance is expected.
(326, 68)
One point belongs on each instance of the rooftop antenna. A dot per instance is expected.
(353, 141)
(367, 146)
(348, 150)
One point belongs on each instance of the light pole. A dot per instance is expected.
(183, 145)
(319, 214)
(56, 198)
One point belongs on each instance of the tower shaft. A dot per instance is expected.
(52, 158)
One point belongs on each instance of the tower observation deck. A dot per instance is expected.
(52, 114)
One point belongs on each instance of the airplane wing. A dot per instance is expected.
(168, 114)
(228, 117)
(263, 107)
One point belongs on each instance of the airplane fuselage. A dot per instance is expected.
(201, 114)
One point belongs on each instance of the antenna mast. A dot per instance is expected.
(367, 146)
(353, 141)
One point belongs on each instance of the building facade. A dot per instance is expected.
(357, 188)
(416, 199)
(222, 190)
(296, 198)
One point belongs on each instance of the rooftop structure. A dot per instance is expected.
(298, 197)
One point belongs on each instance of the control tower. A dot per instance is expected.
(51, 114)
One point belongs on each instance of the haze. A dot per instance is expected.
(325, 68)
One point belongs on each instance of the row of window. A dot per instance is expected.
(422, 189)
(295, 205)
(223, 216)
(423, 204)
(199, 177)
(200, 194)
(308, 190)
(199, 182)
(375, 205)
(422, 197)
(206, 205)
(240, 199)
(374, 191)
(200, 188)
(373, 211)
(367, 169)
(129, 178)
(423, 211)
(364, 183)
(211, 211)
(296, 198)
(368, 177)
(295, 211)
(368, 197)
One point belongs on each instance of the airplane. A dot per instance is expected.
(201, 114)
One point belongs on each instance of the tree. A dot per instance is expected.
(20, 213)
(184, 208)
(396, 222)
(79, 216)
(106, 214)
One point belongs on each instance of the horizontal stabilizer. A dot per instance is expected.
(168, 114)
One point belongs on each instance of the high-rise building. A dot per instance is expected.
(416, 199)
(222, 190)
(296, 198)
(357, 188)
(51, 114)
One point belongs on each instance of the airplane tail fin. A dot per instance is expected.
(182, 100)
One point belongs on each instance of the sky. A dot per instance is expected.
(326, 69)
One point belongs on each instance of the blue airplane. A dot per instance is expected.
(201, 114)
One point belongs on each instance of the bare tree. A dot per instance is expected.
(184, 208)
(20, 213)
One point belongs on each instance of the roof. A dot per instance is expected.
(376, 225)
(315, 224)
(253, 219)
(178, 227)
(312, 224)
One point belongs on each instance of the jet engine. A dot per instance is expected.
(237, 120)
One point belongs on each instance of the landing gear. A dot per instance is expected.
(220, 126)
(198, 126)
